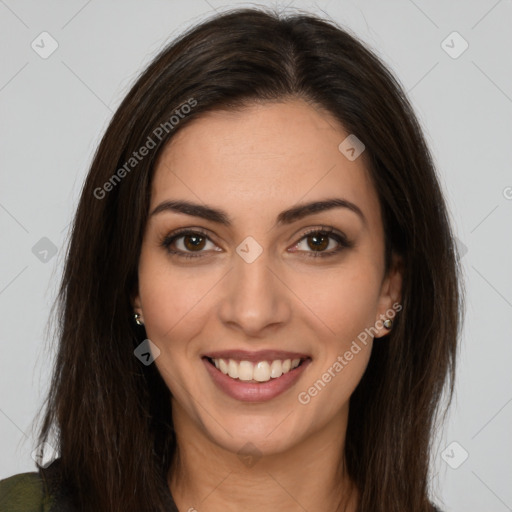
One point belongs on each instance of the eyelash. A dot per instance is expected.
(167, 240)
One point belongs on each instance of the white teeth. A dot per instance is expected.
(223, 366)
(261, 371)
(232, 369)
(276, 369)
(245, 370)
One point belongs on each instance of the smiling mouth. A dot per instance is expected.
(257, 372)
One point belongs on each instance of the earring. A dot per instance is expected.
(137, 319)
(388, 323)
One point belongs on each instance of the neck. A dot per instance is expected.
(311, 476)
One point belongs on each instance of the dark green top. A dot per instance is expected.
(43, 491)
(24, 492)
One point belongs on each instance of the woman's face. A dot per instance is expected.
(251, 288)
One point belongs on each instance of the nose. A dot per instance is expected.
(255, 300)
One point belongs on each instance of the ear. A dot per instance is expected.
(136, 302)
(390, 295)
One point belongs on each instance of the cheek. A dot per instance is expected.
(171, 298)
(342, 302)
(344, 306)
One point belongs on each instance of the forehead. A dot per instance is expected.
(261, 158)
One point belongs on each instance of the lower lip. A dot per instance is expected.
(255, 392)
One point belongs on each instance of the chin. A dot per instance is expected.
(250, 440)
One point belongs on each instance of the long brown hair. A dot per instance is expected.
(111, 413)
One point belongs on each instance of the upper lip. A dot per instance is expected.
(254, 357)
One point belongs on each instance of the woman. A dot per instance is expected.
(260, 305)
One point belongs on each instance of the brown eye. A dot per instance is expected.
(193, 242)
(318, 240)
(186, 243)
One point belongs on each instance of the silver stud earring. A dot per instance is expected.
(388, 323)
(137, 319)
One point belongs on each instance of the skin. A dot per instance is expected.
(253, 164)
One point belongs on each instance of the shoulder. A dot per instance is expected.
(45, 491)
(24, 492)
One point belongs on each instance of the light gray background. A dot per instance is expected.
(54, 111)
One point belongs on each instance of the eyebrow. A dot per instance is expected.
(285, 217)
